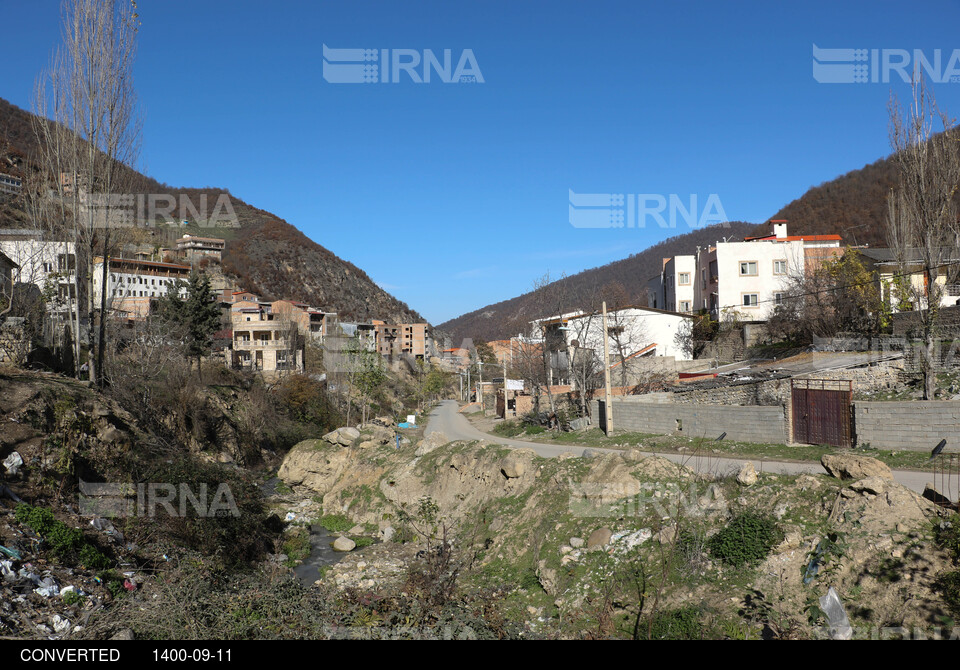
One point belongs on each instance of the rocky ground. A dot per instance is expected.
(570, 538)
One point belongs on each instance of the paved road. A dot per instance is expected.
(447, 419)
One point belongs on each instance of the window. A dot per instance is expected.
(684, 279)
(780, 267)
(778, 298)
(748, 268)
(684, 305)
(750, 300)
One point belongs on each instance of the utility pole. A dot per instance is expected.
(505, 389)
(608, 410)
(480, 386)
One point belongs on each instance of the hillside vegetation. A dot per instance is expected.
(265, 254)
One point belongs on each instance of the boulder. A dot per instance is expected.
(747, 475)
(513, 467)
(599, 538)
(875, 485)
(344, 544)
(548, 578)
(576, 542)
(347, 436)
(431, 442)
(852, 466)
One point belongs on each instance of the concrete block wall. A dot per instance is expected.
(911, 426)
(742, 424)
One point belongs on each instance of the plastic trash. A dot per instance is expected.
(47, 588)
(129, 585)
(5, 491)
(839, 624)
(12, 553)
(6, 569)
(60, 625)
(12, 463)
(290, 516)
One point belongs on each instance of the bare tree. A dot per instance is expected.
(89, 132)
(922, 216)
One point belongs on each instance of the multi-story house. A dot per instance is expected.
(265, 340)
(633, 333)
(10, 184)
(193, 248)
(403, 338)
(744, 279)
(48, 265)
(134, 286)
(312, 322)
(674, 287)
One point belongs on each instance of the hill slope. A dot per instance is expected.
(853, 205)
(265, 254)
(508, 317)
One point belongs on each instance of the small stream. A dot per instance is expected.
(321, 543)
(322, 554)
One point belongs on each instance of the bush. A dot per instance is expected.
(747, 538)
(218, 512)
(336, 523)
(66, 542)
(949, 585)
(681, 624)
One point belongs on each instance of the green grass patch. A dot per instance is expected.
(297, 546)
(336, 523)
(66, 542)
(748, 538)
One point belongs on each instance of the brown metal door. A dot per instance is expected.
(821, 411)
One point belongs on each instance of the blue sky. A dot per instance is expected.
(453, 196)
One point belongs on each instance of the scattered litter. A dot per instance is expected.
(290, 516)
(12, 553)
(631, 540)
(12, 463)
(129, 585)
(47, 588)
(6, 569)
(60, 625)
(25, 573)
(5, 491)
(839, 624)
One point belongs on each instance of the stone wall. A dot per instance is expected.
(742, 424)
(912, 426)
(908, 323)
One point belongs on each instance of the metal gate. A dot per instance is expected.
(821, 411)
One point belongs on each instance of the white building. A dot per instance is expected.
(677, 280)
(633, 333)
(48, 265)
(133, 284)
(744, 279)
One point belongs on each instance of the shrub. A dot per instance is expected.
(336, 523)
(747, 538)
(66, 542)
(682, 624)
(948, 584)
